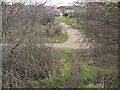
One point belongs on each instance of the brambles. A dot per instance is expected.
(99, 22)
(25, 56)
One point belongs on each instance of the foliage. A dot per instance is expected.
(100, 25)
(25, 56)
(46, 17)
(66, 14)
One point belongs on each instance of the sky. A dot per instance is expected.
(49, 2)
(61, 2)
(57, 2)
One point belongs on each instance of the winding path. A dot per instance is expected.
(75, 39)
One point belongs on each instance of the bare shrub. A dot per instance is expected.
(53, 30)
(57, 29)
(26, 59)
(100, 24)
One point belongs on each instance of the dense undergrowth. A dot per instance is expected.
(65, 73)
(99, 65)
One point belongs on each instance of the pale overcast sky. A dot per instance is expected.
(57, 2)
(61, 2)
(49, 2)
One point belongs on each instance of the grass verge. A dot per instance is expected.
(66, 20)
(89, 74)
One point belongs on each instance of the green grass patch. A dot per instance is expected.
(66, 70)
(88, 75)
(66, 20)
(60, 38)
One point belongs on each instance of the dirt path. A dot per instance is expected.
(75, 74)
(75, 39)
